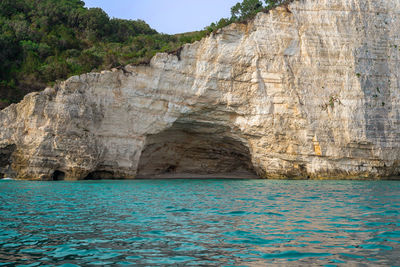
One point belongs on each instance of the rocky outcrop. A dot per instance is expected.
(310, 90)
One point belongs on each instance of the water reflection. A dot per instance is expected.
(200, 222)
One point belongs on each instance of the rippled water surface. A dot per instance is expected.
(199, 222)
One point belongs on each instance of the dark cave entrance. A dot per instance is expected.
(58, 176)
(195, 150)
(5, 159)
(100, 175)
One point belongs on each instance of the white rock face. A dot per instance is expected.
(311, 90)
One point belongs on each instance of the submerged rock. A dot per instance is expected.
(310, 90)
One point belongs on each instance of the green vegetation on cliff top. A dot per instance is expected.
(48, 40)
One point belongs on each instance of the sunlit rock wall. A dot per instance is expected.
(310, 90)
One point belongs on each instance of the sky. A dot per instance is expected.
(168, 16)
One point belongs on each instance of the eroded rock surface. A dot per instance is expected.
(311, 90)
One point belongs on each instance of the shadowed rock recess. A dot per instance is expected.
(310, 90)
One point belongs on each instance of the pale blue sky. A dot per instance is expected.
(168, 16)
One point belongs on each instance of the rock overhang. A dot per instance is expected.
(307, 91)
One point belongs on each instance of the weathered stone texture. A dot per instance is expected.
(311, 90)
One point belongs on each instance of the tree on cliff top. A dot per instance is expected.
(248, 8)
(43, 41)
(245, 10)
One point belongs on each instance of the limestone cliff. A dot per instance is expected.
(310, 90)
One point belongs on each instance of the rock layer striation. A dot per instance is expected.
(308, 90)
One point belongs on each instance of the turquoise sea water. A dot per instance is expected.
(199, 222)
